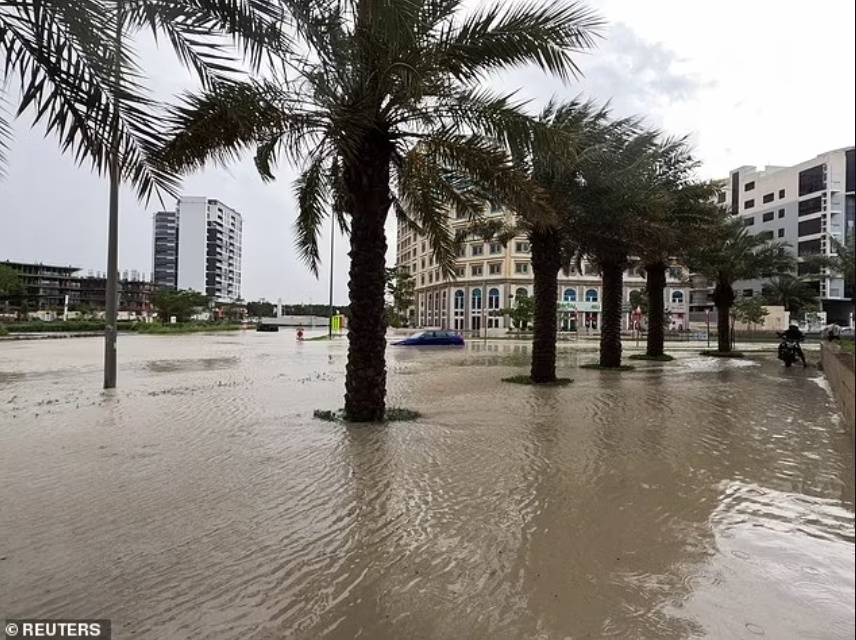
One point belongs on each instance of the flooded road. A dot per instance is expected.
(701, 498)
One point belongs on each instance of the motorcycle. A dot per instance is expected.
(788, 350)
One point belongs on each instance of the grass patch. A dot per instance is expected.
(644, 356)
(84, 326)
(319, 338)
(3, 331)
(525, 379)
(598, 367)
(848, 346)
(393, 414)
(723, 354)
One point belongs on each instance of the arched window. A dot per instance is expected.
(677, 297)
(591, 295)
(633, 293)
(477, 300)
(493, 299)
(570, 295)
(521, 293)
(459, 300)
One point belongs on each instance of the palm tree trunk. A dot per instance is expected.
(610, 331)
(367, 185)
(656, 286)
(723, 298)
(546, 263)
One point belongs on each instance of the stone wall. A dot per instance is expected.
(839, 368)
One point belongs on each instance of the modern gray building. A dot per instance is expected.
(165, 248)
(198, 247)
(807, 205)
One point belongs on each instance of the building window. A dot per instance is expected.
(676, 272)
(748, 204)
(809, 248)
(749, 186)
(768, 216)
(720, 197)
(478, 249)
(459, 300)
(462, 252)
(591, 295)
(495, 248)
(781, 213)
(677, 297)
(766, 235)
(812, 205)
(807, 269)
(494, 269)
(493, 299)
(430, 278)
(476, 302)
(422, 279)
(423, 247)
(809, 227)
(522, 247)
(781, 233)
(768, 197)
(570, 295)
(781, 193)
(748, 221)
(521, 293)
(812, 180)
(521, 267)
(460, 272)
(476, 270)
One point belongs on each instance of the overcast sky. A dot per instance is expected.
(755, 83)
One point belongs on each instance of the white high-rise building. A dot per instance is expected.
(198, 247)
(805, 205)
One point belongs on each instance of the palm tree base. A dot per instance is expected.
(526, 379)
(600, 367)
(644, 356)
(392, 414)
(723, 354)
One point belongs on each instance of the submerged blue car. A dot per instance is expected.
(432, 339)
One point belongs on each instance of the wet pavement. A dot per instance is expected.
(702, 498)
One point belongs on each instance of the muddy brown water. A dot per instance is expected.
(700, 498)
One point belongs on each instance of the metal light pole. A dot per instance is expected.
(332, 245)
(112, 302)
(707, 314)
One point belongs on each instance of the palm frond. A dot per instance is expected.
(312, 189)
(506, 35)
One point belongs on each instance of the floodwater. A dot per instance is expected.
(696, 499)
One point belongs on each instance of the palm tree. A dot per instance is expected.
(608, 204)
(380, 104)
(676, 218)
(80, 78)
(732, 254)
(788, 291)
(588, 126)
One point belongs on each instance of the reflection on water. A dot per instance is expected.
(699, 498)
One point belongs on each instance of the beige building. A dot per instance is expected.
(490, 275)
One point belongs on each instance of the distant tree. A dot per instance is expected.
(789, 292)
(181, 304)
(750, 310)
(261, 309)
(521, 313)
(10, 283)
(640, 300)
(400, 286)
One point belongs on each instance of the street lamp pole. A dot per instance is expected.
(111, 311)
(332, 245)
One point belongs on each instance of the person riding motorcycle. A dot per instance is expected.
(793, 334)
